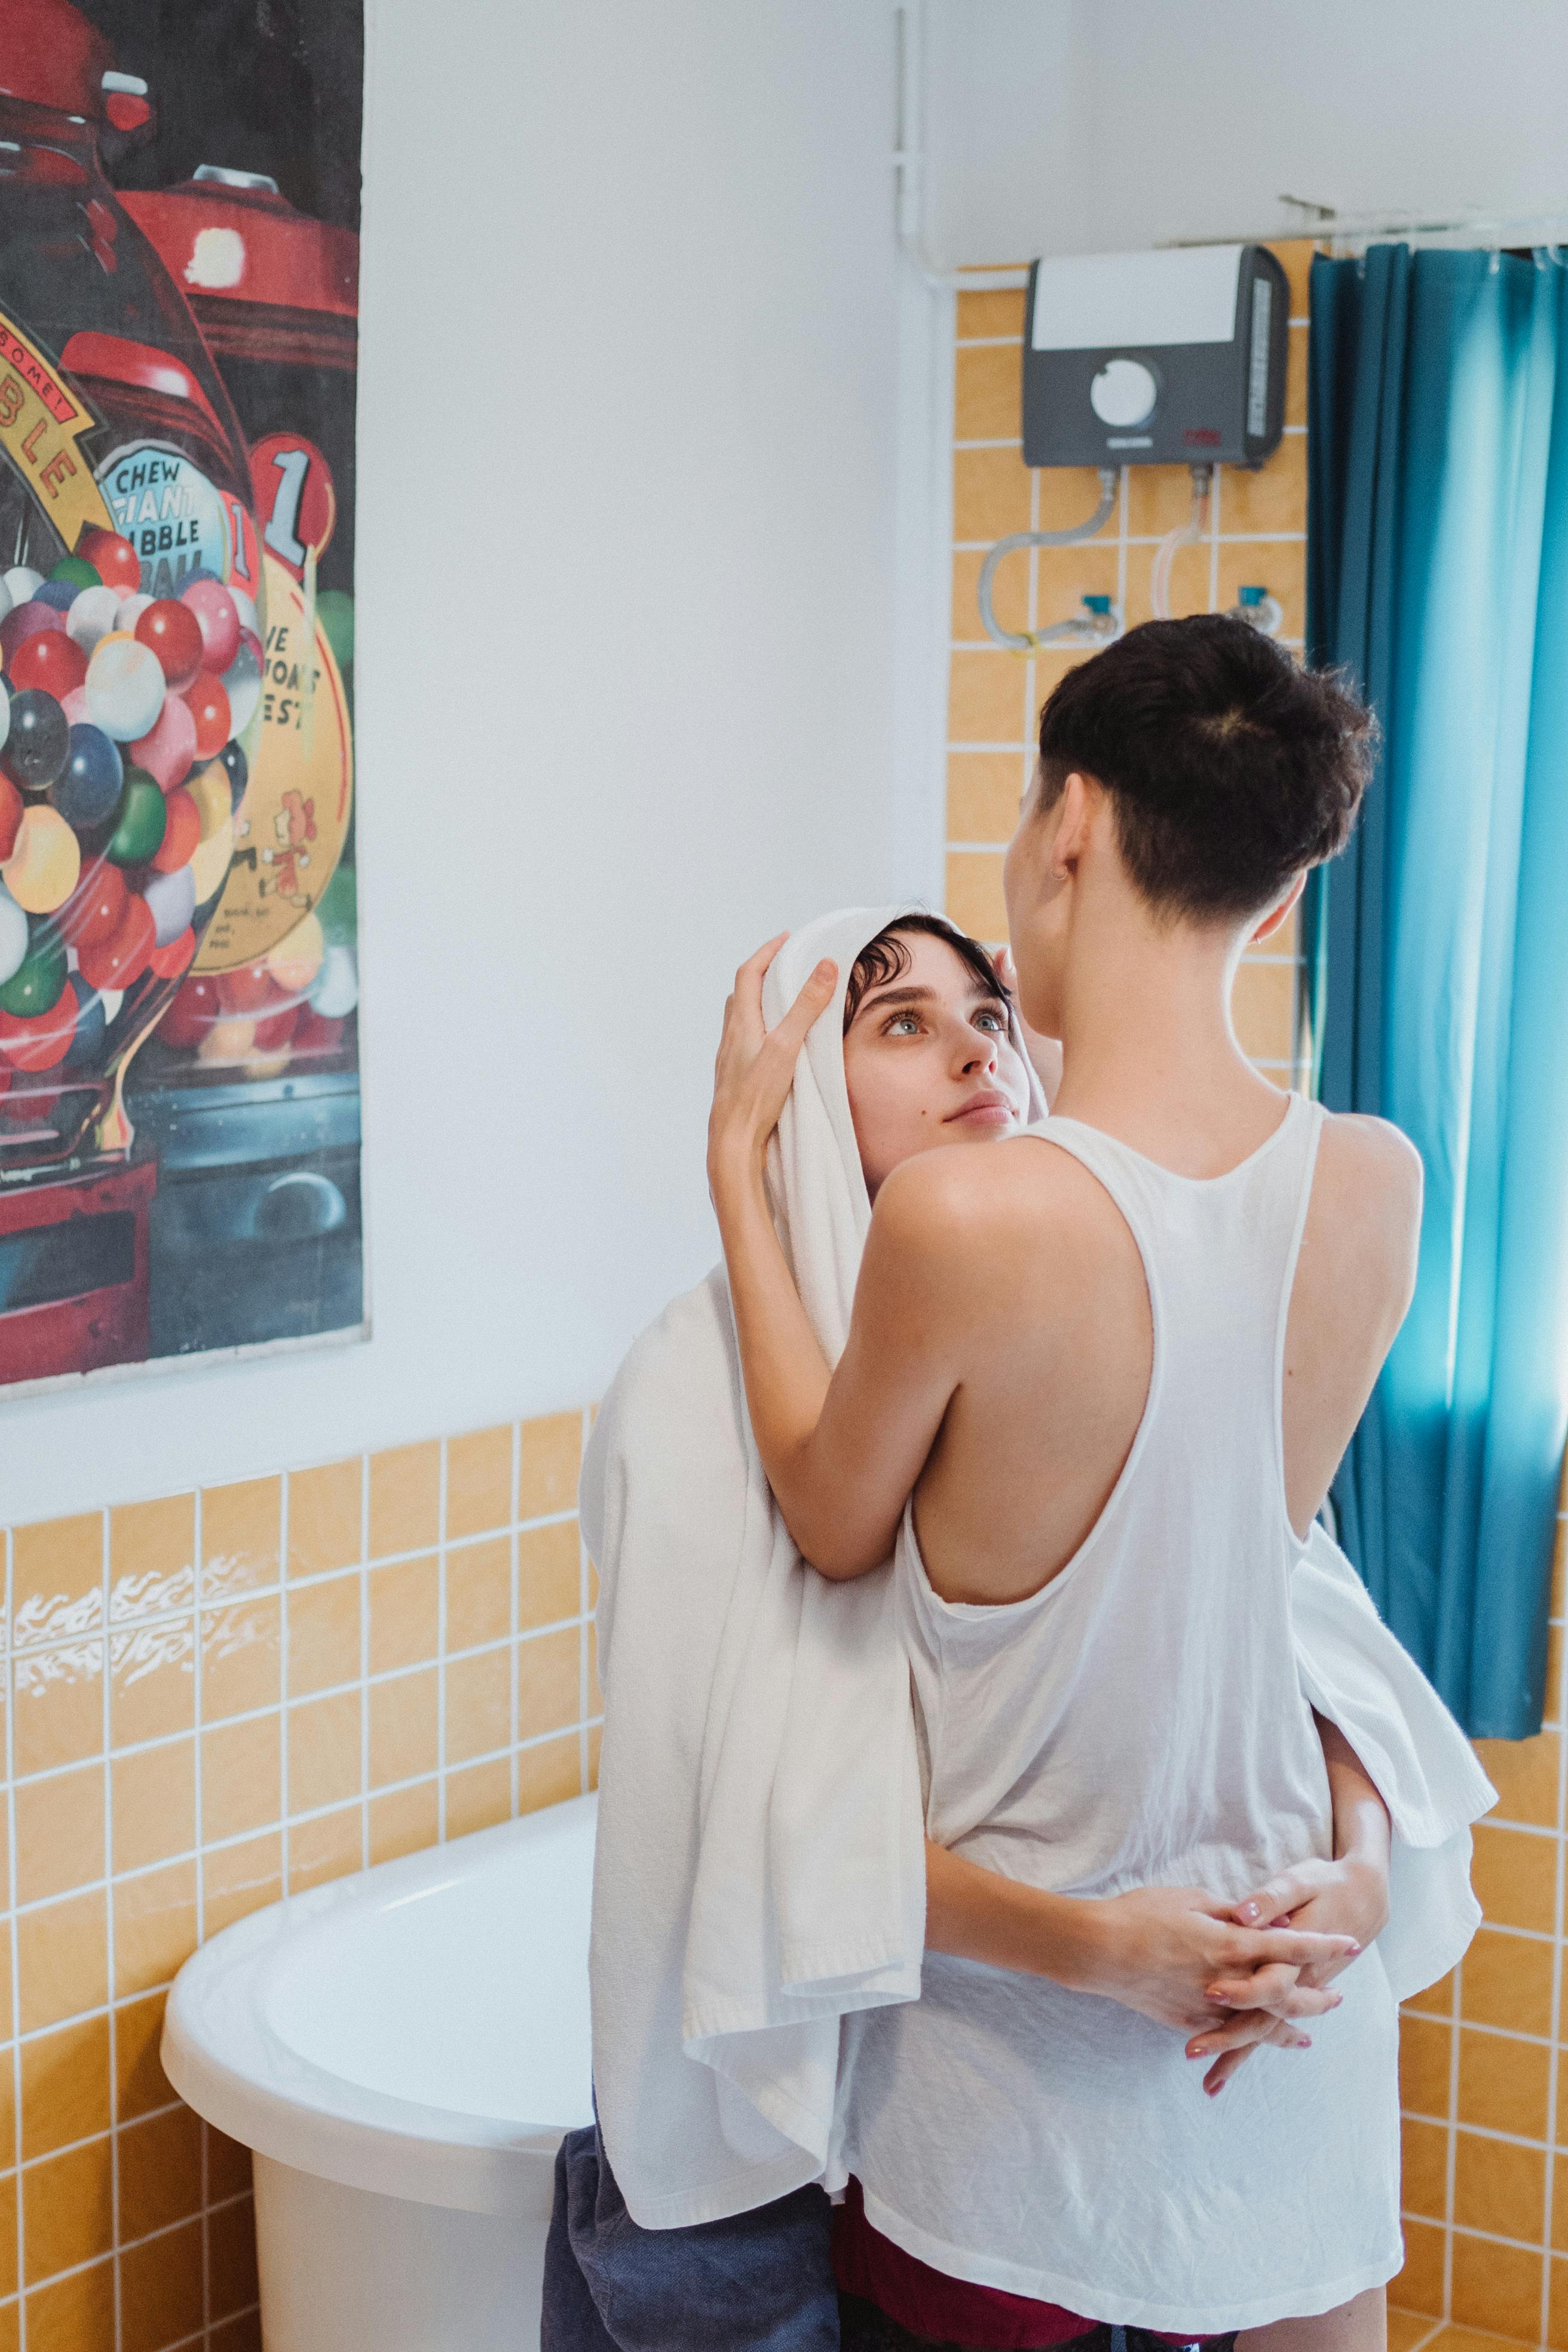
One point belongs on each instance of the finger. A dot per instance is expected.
(760, 957)
(1224, 2067)
(813, 1001)
(1252, 1988)
(1286, 2000)
(1298, 1947)
(1247, 2032)
(1278, 1898)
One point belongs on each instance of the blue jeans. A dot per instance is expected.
(760, 2281)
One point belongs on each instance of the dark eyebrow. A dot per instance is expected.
(913, 995)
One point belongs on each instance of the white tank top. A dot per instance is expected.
(1138, 1722)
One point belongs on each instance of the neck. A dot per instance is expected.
(1149, 1052)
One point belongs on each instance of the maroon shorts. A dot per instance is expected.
(951, 2311)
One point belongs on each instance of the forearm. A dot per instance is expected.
(977, 1915)
(785, 1372)
(1362, 1832)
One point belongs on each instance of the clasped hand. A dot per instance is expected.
(1247, 1974)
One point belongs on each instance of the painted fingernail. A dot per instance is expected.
(1303, 2042)
(1250, 1911)
(1337, 2001)
(1353, 1949)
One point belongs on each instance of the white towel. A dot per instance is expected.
(761, 1868)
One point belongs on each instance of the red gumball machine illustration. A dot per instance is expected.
(260, 1046)
(131, 624)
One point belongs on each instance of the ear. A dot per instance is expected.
(1075, 817)
(1279, 913)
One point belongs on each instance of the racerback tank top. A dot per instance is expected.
(1138, 1722)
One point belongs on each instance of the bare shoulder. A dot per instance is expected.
(1372, 1161)
(988, 1201)
(1365, 1212)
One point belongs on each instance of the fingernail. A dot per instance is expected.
(1199, 2050)
(1250, 1911)
(1337, 2001)
(1303, 2042)
(1213, 2089)
(1355, 1950)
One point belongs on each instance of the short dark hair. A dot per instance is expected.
(887, 958)
(1230, 767)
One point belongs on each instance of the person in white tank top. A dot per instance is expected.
(1111, 1379)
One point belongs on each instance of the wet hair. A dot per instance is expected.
(886, 957)
(1230, 768)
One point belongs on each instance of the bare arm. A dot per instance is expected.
(842, 1450)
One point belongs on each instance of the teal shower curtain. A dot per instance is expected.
(1437, 948)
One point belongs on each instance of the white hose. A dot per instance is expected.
(1184, 535)
(1024, 641)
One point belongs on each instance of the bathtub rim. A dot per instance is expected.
(226, 2061)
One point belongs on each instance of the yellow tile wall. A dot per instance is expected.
(213, 1699)
(1256, 534)
(1486, 2122)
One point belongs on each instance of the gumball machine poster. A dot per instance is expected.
(179, 1032)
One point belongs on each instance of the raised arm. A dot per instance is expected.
(842, 1449)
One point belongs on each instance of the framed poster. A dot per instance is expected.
(179, 1031)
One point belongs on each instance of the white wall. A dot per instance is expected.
(626, 682)
(1067, 126)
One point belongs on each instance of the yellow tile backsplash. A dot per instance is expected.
(305, 1671)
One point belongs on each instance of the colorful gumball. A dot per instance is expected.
(15, 936)
(173, 899)
(37, 982)
(182, 833)
(296, 959)
(45, 861)
(335, 992)
(191, 1013)
(212, 605)
(24, 621)
(167, 753)
(96, 907)
(38, 741)
(124, 688)
(169, 963)
(234, 760)
(123, 957)
(113, 558)
(210, 791)
(278, 1028)
(60, 594)
(130, 611)
(87, 1040)
(209, 866)
(226, 1042)
(49, 659)
(20, 583)
(242, 682)
(248, 990)
(209, 705)
(74, 704)
(86, 790)
(75, 572)
(171, 631)
(140, 830)
(39, 1044)
(11, 806)
(91, 615)
(315, 1033)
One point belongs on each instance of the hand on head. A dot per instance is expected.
(755, 1068)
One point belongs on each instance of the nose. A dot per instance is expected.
(977, 1053)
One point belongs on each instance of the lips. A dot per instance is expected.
(988, 1109)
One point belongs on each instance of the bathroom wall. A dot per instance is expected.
(627, 489)
(1060, 126)
(1484, 2086)
(217, 1697)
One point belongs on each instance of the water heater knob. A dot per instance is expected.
(1123, 392)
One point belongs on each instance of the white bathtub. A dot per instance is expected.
(402, 2050)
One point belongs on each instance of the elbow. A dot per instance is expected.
(837, 1556)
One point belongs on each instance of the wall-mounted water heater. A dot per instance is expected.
(1155, 358)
